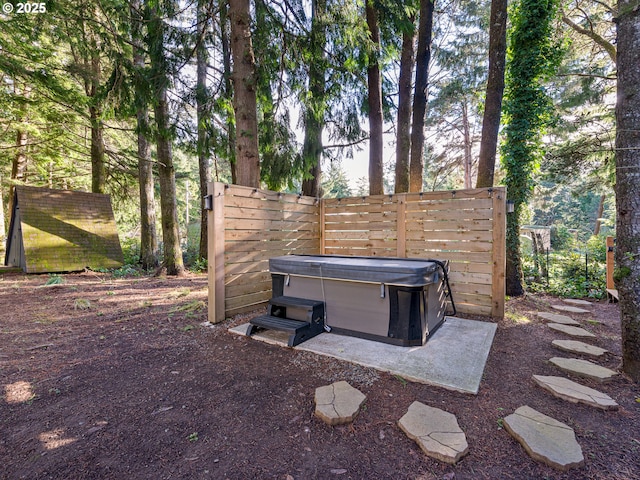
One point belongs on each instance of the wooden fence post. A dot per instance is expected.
(499, 248)
(612, 292)
(610, 263)
(401, 225)
(215, 253)
(321, 211)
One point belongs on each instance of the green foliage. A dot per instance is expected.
(126, 271)
(130, 250)
(532, 57)
(54, 279)
(460, 50)
(576, 270)
(335, 183)
(572, 208)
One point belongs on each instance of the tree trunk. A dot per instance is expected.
(98, 172)
(19, 165)
(20, 161)
(513, 272)
(97, 152)
(534, 252)
(374, 82)
(228, 89)
(314, 113)
(244, 85)
(403, 141)
(148, 233)
(166, 175)
(598, 225)
(2, 225)
(540, 255)
(533, 57)
(628, 183)
(203, 122)
(495, 90)
(466, 129)
(423, 56)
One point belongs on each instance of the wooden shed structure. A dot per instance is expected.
(61, 231)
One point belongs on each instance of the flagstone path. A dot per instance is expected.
(567, 308)
(544, 438)
(583, 368)
(569, 330)
(557, 318)
(575, 346)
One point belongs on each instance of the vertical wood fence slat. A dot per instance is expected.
(498, 291)
(610, 263)
(322, 211)
(215, 254)
(401, 225)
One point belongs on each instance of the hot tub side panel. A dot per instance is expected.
(350, 306)
(404, 316)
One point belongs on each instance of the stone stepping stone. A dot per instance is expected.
(544, 438)
(574, 392)
(583, 368)
(569, 330)
(574, 346)
(575, 301)
(557, 318)
(567, 308)
(436, 432)
(338, 403)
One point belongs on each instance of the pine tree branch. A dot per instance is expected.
(605, 44)
(588, 75)
(348, 144)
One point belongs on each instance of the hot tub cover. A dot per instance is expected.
(388, 270)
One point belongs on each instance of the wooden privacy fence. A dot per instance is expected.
(248, 226)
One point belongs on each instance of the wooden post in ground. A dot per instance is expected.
(215, 253)
(401, 225)
(498, 288)
(321, 213)
(612, 292)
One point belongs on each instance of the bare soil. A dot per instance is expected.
(106, 378)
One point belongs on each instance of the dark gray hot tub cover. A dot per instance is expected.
(391, 271)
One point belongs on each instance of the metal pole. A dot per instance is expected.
(547, 266)
(586, 266)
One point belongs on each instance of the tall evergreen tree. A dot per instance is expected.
(628, 183)
(403, 121)
(157, 11)
(244, 99)
(374, 82)
(423, 57)
(533, 56)
(148, 234)
(275, 38)
(494, 92)
(203, 18)
(316, 105)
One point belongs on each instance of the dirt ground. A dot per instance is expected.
(106, 378)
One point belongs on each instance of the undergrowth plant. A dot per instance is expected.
(574, 271)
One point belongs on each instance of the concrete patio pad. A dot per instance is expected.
(453, 358)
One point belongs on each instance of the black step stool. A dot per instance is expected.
(298, 330)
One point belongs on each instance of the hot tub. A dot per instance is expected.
(393, 300)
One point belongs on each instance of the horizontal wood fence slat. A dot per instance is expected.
(466, 227)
